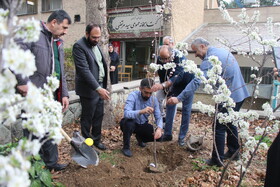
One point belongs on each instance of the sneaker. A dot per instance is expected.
(127, 152)
(228, 155)
(181, 142)
(167, 138)
(212, 162)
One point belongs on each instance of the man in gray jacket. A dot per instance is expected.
(91, 83)
(49, 59)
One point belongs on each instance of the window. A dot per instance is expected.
(130, 3)
(50, 5)
(28, 7)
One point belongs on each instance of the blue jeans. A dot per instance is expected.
(186, 116)
(232, 136)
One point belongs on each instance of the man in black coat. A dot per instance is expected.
(91, 83)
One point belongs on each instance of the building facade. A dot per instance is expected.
(136, 27)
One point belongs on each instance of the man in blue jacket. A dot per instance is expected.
(235, 82)
(174, 82)
(139, 106)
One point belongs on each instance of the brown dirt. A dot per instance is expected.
(184, 168)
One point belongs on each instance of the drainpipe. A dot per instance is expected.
(276, 83)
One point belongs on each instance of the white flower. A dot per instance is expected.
(259, 130)
(20, 61)
(28, 29)
(268, 111)
(168, 66)
(206, 109)
(8, 83)
(154, 67)
(263, 146)
(3, 22)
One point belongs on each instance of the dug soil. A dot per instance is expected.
(183, 167)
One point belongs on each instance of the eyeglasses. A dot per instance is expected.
(168, 59)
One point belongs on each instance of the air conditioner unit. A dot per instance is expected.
(246, 2)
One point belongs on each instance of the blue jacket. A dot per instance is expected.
(179, 78)
(231, 73)
(135, 103)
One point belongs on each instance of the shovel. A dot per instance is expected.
(82, 154)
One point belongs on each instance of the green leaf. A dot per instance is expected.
(37, 157)
(39, 165)
(32, 172)
(45, 177)
(58, 184)
(36, 183)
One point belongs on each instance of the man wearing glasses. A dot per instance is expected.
(173, 83)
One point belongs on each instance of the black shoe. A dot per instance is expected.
(211, 162)
(57, 167)
(166, 138)
(227, 155)
(127, 152)
(181, 142)
(142, 144)
(100, 146)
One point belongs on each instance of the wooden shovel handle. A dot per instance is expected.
(65, 135)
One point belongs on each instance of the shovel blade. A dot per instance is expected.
(85, 155)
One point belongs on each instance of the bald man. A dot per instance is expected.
(172, 84)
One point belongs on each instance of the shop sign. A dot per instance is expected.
(135, 22)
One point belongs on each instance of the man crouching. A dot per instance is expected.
(138, 107)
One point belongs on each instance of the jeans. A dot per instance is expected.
(160, 95)
(232, 136)
(186, 116)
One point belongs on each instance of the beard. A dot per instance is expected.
(91, 43)
(145, 98)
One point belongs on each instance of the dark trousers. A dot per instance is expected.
(144, 132)
(91, 117)
(48, 151)
(114, 76)
(232, 135)
(272, 178)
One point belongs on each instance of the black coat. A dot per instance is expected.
(87, 69)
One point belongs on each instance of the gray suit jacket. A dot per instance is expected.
(42, 50)
(87, 69)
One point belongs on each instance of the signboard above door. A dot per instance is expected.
(135, 22)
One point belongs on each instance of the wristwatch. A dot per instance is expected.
(163, 85)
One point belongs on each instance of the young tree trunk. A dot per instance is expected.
(96, 11)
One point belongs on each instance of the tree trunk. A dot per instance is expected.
(96, 11)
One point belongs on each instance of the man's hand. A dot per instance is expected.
(65, 103)
(173, 101)
(147, 110)
(112, 68)
(157, 87)
(23, 89)
(158, 133)
(103, 93)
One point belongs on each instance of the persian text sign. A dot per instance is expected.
(132, 23)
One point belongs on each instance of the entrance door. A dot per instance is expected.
(138, 54)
